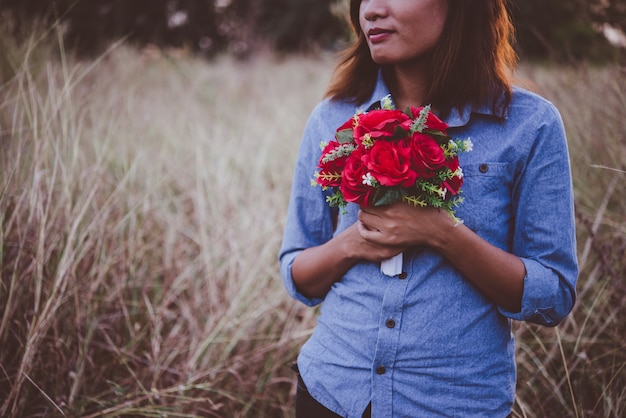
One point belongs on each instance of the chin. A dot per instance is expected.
(382, 60)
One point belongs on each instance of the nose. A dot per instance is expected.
(373, 9)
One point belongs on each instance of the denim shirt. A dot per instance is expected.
(428, 343)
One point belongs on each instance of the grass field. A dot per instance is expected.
(142, 197)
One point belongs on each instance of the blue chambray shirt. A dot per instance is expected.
(428, 343)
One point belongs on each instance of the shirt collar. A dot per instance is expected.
(457, 117)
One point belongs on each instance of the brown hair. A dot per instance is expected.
(474, 59)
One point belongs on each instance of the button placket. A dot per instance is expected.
(387, 344)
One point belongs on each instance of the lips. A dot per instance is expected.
(376, 35)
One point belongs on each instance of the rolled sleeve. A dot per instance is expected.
(547, 299)
(286, 262)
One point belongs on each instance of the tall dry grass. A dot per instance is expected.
(142, 198)
(142, 201)
(579, 368)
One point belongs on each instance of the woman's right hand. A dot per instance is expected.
(316, 269)
(364, 249)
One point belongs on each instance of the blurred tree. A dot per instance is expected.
(285, 25)
(299, 24)
(198, 26)
(92, 24)
(555, 29)
(563, 29)
(612, 12)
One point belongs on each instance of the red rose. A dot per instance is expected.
(349, 124)
(380, 124)
(432, 121)
(331, 168)
(390, 163)
(454, 184)
(352, 187)
(426, 155)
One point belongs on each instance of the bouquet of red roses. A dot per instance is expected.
(385, 155)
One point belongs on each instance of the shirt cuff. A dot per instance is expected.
(286, 263)
(544, 301)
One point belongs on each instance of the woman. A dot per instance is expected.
(436, 339)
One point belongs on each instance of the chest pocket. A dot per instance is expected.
(487, 190)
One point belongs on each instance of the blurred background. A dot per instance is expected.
(556, 29)
(146, 155)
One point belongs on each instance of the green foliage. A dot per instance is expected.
(337, 200)
(344, 136)
(387, 196)
(419, 123)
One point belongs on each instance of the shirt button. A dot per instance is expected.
(483, 168)
(402, 275)
(390, 323)
(380, 369)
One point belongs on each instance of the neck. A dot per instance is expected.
(407, 85)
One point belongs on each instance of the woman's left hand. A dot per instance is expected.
(499, 274)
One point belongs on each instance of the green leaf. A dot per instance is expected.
(399, 133)
(415, 200)
(345, 136)
(387, 196)
(419, 123)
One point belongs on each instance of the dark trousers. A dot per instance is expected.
(308, 407)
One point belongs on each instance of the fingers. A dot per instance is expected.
(369, 218)
(393, 225)
(376, 247)
(376, 223)
(366, 231)
(375, 236)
